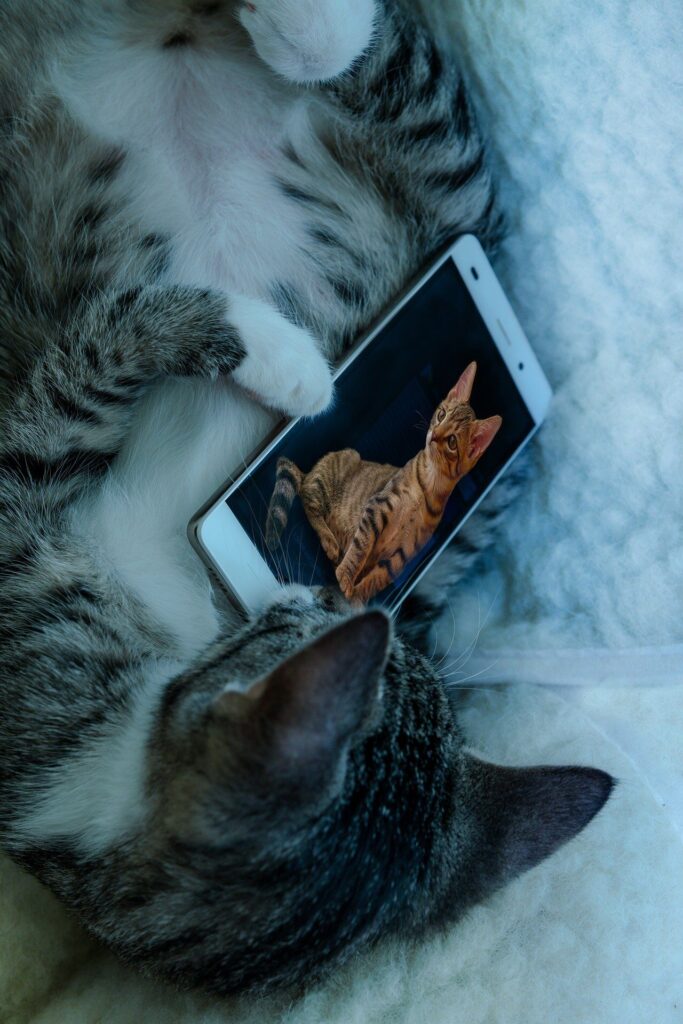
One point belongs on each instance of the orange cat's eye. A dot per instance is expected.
(440, 415)
(452, 441)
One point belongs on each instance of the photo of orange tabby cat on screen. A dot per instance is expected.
(372, 518)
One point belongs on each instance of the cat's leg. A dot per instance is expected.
(327, 539)
(376, 580)
(359, 550)
(393, 172)
(408, 125)
(309, 40)
(283, 365)
(72, 414)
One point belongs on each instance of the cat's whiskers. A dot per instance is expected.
(452, 640)
(458, 664)
(255, 518)
(466, 654)
(436, 641)
(286, 556)
(258, 530)
(298, 568)
(315, 566)
(462, 684)
(422, 425)
(446, 653)
(284, 559)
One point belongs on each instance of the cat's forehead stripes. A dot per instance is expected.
(457, 415)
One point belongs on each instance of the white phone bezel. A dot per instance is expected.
(216, 533)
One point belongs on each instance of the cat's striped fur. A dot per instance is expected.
(373, 518)
(228, 806)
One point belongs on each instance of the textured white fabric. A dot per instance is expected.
(583, 101)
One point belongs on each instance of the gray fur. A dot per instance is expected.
(306, 792)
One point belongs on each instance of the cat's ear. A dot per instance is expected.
(462, 391)
(481, 436)
(525, 814)
(305, 713)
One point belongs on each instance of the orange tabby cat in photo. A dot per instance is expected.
(372, 518)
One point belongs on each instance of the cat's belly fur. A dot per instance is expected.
(201, 131)
(349, 489)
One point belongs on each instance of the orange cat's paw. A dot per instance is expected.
(332, 551)
(345, 583)
(360, 595)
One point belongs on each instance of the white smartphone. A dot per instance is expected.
(387, 390)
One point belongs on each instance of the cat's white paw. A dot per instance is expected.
(283, 366)
(309, 40)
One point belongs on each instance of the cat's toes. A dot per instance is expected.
(361, 594)
(283, 366)
(309, 40)
(332, 551)
(345, 583)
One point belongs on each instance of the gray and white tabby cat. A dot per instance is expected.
(200, 205)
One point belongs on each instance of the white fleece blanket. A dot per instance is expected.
(584, 103)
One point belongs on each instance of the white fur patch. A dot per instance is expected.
(309, 40)
(284, 366)
(186, 439)
(202, 129)
(291, 592)
(99, 796)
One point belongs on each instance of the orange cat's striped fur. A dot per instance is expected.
(372, 518)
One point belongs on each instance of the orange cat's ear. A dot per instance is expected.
(463, 389)
(483, 432)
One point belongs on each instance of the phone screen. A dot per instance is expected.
(384, 402)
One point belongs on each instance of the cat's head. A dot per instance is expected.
(456, 439)
(325, 799)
